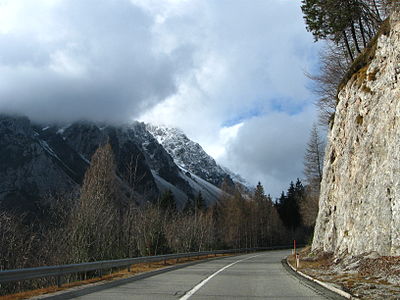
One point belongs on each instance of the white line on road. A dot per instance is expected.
(197, 287)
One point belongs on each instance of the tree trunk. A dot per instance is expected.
(353, 33)
(362, 33)
(378, 15)
(346, 41)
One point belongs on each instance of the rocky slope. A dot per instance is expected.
(360, 192)
(189, 155)
(30, 169)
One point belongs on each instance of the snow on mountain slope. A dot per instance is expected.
(210, 192)
(189, 155)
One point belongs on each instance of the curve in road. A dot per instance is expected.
(251, 276)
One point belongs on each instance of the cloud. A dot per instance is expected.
(229, 73)
(248, 70)
(270, 149)
(94, 59)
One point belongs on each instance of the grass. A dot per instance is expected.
(135, 269)
(309, 260)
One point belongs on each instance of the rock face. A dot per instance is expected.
(360, 191)
(189, 155)
(30, 169)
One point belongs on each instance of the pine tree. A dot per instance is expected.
(349, 22)
(195, 205)
(288, 206)
(199, 202)
(259, 194)
(167, 201)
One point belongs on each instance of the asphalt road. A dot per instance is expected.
(250, 276)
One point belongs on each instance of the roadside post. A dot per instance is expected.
(294, 247)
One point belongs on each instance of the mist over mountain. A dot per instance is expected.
(42, 161)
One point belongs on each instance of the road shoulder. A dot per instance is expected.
(319, 287)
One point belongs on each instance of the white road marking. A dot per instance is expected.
(197, 287)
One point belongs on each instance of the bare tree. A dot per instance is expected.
(94, 223)
(313, 167)
(314, 157)
(333, 67)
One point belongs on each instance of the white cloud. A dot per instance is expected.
(68, 60)
(220, 70)
(270, 149)
(226, 136)
(248, 69)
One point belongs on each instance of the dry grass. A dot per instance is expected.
(135, 269)
(309, 260)
(362, 276)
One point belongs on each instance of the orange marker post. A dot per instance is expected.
(294, 246)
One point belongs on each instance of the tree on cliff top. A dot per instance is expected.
(351, 23)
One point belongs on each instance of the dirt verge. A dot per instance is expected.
(366, 276)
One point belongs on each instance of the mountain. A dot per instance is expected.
(31, 169)
(360, 190)
(39, 162)
(191, 157)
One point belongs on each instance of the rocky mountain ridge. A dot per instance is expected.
(360, 191)
(38, 162)
(190, 156)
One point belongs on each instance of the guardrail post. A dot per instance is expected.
(129, 268)
(165, 261)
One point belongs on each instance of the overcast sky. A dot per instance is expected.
(228, 73)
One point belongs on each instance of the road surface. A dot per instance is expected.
(250, 276)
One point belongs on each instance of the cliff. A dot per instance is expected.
(360, 190)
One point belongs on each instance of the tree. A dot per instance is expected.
(288, 206)
(309, 207)
(167, 201)
(314, 158)
(313, 167)
(259, 194)
(267, 219)
(150, 222)
(94, 224)
(195, 205)
(334, 64)
(351, 23)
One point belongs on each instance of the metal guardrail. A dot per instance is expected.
(62, 270)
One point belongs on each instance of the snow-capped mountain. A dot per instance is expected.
(39, 161)
(190, 156)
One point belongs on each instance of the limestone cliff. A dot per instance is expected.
(360, 191)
